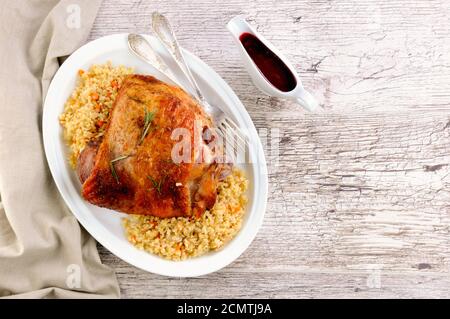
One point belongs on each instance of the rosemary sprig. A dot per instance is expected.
(157, 184)
(113, 169)
(113, 172)
(148, 118)
(120, 158)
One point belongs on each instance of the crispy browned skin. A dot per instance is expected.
(149, 164)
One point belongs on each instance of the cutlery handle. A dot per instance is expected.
(143, 49)
(166, 35)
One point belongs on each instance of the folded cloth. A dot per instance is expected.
(43, 251)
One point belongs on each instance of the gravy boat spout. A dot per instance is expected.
(269, 69)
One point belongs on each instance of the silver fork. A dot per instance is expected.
(227, 128)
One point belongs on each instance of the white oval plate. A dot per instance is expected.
(105, 225)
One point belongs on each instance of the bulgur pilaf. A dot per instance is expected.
(87, 109)
(85, 116)
(178, 238)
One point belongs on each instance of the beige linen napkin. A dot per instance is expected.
(43, 251)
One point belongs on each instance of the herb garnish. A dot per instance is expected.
(111, 166)
(148, 118)
(156, 184)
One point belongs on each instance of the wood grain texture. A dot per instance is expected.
(359, 197)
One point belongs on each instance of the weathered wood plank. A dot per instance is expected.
(358, 191)
(367, 55)
(300, 282)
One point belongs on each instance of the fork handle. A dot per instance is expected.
(166, 35)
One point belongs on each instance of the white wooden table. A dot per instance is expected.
(359, 203)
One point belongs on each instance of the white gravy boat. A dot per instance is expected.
(238, 26)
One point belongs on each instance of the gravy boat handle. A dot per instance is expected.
(307, 100)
